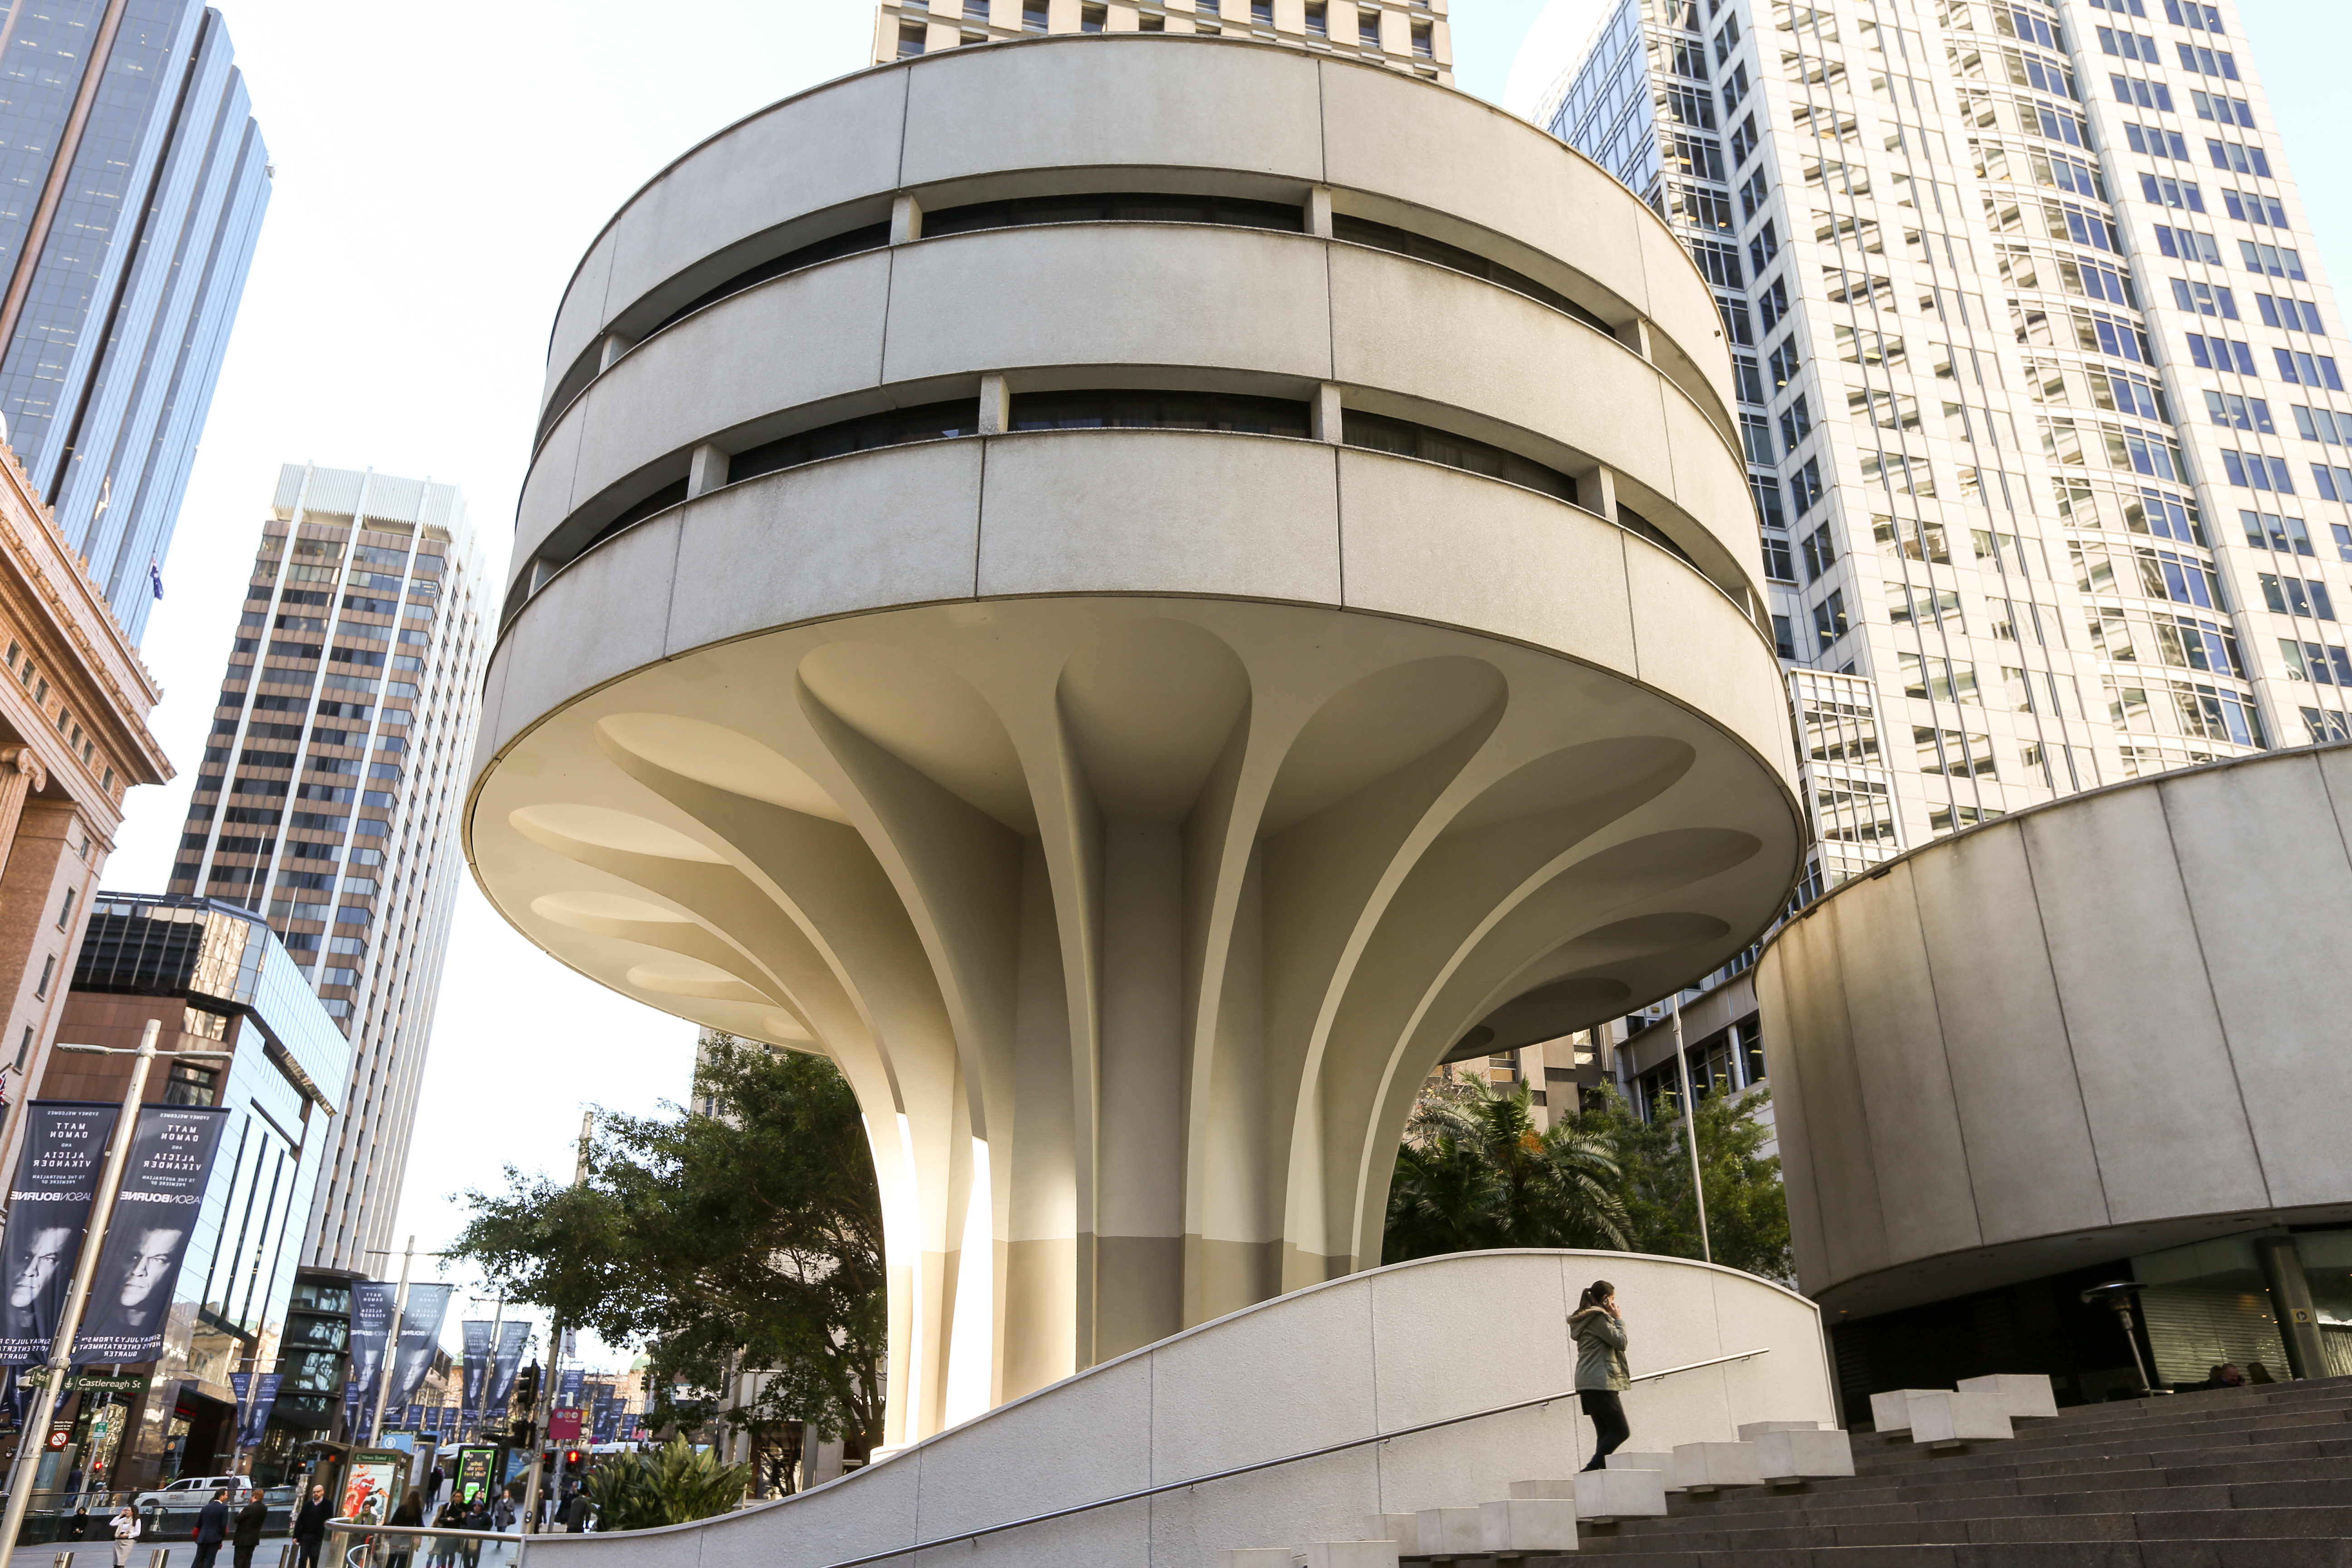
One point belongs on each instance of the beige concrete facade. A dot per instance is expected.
(2109, 1025)
(1136, 814)
(73, 742)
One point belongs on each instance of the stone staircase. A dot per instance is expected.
(2252, 1477)
(2249, 1477)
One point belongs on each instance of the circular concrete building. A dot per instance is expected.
(2102, 1040)
(1135, 591)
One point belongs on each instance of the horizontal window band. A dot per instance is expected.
(1132, 409)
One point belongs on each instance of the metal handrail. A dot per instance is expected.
(354, 1556)
(353, 1527)
(927, 1546)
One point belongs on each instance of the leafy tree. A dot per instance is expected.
(672, 1485)
(749, 1239)
(1747, 1212)
(1474, 1173)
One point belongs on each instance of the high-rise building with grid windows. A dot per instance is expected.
(1406, 35)
(331, 789)
(2043, 411)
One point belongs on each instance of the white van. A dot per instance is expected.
(194, 1491)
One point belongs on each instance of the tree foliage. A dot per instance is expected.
(1747, 1213)
(745, 1241)
(1474, 1173)
(672, 1485)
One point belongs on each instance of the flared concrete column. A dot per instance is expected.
(1136, 741)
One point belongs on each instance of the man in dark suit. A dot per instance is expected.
(310, 1527)
(212, 1523)
(250, 1519)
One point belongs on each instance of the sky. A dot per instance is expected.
(440, 167)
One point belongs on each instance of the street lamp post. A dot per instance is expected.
(544, 1403)
(392, 1344)
(473, 1429)
(102, 1216)
(1690, 1129)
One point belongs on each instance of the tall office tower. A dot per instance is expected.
(1408, 35)
(132, 181)
(348, 714)
(2043, 413)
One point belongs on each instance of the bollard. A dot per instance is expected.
(62, 1560)
(160, 1558)
(285, 1556)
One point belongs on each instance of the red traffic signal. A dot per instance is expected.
(573, 1457)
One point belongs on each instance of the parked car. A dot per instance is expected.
(193, 1492)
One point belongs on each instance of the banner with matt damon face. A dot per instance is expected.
(154, 1216)
(48, 1209)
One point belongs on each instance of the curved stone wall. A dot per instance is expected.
(1137, 814)
(1233, 308)
(1348, 1359)
(2105, 1026)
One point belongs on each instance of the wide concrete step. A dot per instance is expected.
(2287, 1551)
(2062, 1434)
(2102, 1500)
(1991, 1456)
(2168, 1524)
(2284, 1463)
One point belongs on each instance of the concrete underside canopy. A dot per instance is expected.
(1137, 814)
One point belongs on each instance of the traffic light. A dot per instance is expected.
(571, 1457)
(526, 1391)
(520, 1435)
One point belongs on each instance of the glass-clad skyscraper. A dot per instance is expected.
(133, 183)
(216, 980)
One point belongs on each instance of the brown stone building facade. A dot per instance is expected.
(73, 741)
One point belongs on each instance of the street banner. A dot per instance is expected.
(49, 1210)
(420, 1336)
(478, 1370)
(608, 1420)
(252, 1414)
(371, 1329)
(513, 1339)
(567, 1387)
(172, 1150)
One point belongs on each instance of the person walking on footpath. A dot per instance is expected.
(126, 1532)
(247, 1535)
(212, 1523)
(410, 1511)
(1599, 1333)
(310, 1528)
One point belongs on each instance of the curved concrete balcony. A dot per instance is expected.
(1138, 814)
(2105, 1026)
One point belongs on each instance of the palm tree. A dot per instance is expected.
(1476, 1172)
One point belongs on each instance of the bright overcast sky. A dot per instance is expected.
(440, 167)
